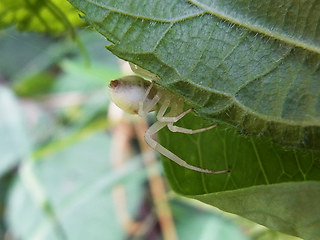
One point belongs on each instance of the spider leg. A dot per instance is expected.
(156, 146)
(143, 108)
(172, 120)
(173, 128)
(148, 91)
(163, 109)
(150, 105)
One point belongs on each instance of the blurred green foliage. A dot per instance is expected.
(49, 16)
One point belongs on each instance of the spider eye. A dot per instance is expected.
(114, 83)
(127, 92)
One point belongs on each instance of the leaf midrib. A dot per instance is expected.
(258, 28)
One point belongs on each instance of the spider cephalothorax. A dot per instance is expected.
(136, 95)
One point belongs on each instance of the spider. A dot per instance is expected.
(138, 96)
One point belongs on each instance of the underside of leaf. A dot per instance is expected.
(228, 66)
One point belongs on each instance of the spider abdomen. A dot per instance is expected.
(128, 92)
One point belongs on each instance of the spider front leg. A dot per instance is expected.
(165, 105)
(146, 106)
(173, 128)
(156, 146)
(171, 120)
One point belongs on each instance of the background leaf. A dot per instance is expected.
(209, 225)
(77, 192)
(51, 16)
(14, 141)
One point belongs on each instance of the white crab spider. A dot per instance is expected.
(136, 95)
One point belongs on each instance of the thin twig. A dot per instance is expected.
(156, 183)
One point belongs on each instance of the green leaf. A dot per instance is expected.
(222, 65)
(14, 142)
(66, 195)
(285, 21)
(272, 205)
(263, 177)
(50, 16)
